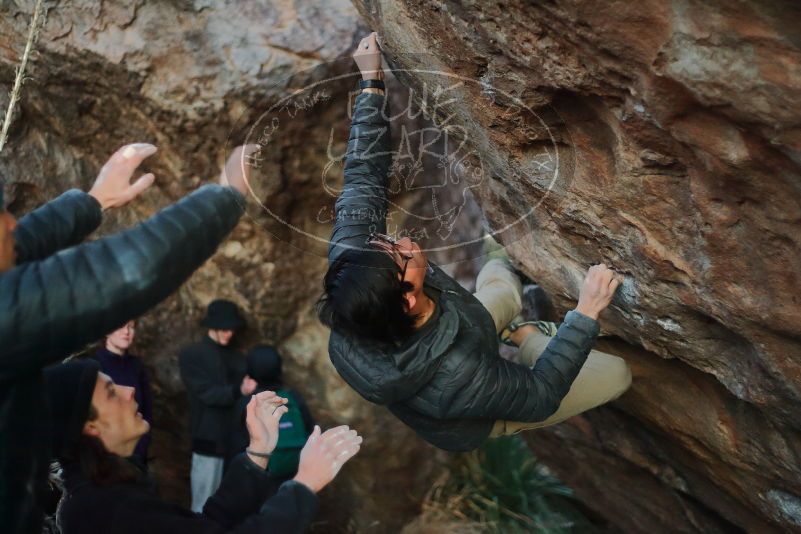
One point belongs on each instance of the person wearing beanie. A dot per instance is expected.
(69, 387)
(97, 424)
(58, 294)
(264, 365)
(214, 375)
(128, 370)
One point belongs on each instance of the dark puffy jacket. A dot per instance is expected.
(61, 296)
(212, 375)
(246, 502)
(451, 385)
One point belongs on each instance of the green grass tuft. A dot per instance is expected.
(502, 488)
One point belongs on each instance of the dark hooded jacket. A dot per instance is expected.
(448, 383)
(62, 295)
(247, 501)
(212, 374)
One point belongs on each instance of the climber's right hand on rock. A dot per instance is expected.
(113, 187)
(236, 173)
(597, 291)
(324, 455)
(368, 58)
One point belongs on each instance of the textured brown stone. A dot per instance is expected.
(677, 128)
(678, 131)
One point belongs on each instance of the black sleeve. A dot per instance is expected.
(63, 222)
(243, 490)
(291, 510)
(514, 392)
(51, 307)
(362, 206)
(247, 502)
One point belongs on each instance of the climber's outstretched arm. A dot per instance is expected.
(516, 392)
(361, 209)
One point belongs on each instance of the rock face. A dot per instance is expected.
(195, 78)
(664, 139)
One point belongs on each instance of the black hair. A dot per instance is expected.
(364, 297)
(99, 465)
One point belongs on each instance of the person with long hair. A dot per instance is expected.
(97, 425)
(128, 370)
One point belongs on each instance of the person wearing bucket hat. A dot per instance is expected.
(57, 294)
(214, 375)
(223, 315)
(97, 426)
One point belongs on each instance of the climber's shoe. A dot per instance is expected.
(546, 327)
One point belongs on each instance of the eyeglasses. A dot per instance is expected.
(393, 246)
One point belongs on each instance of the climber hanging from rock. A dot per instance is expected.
(406, 335)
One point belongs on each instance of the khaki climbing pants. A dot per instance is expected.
(602, 378)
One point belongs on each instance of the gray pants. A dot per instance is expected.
(603, 377)
(205, 478)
